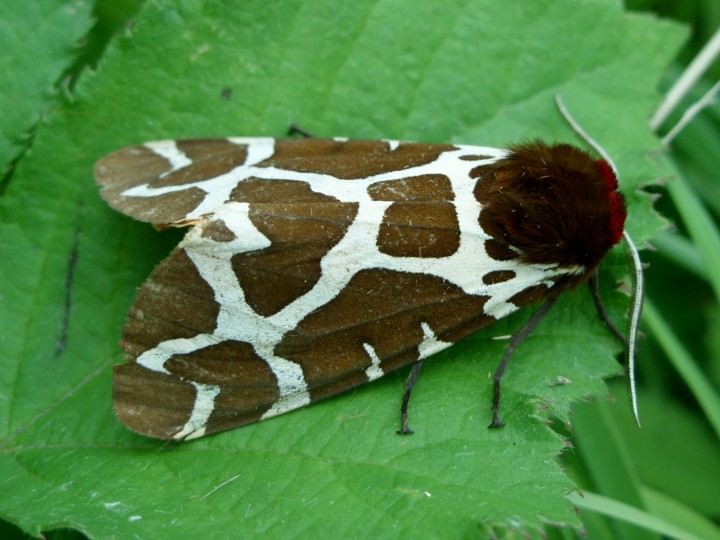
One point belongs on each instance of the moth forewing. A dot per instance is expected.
(313, 266)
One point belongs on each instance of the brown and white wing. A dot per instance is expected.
(312, 267)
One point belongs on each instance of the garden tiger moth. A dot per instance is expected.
(312, 266)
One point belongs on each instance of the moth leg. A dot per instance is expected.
(516, 340)
(594, 285)
(297, 130)
(409, 385)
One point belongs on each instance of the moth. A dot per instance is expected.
(312, 266)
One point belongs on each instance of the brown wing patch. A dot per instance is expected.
(301, 235)
(498, 276)
(351, 159)
(427, 187)
(210, 158)
(256, 190)
(239, 405)
(174, 302)
(328, 343)
(475, 157)
(129, 167)
(218, 231)
(420, 223)
(532, 295)
(202, 149)
(160, 209)
(151, 403)
(248, 385)
(419, 229)
(226, 363)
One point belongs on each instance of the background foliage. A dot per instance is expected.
(435, 71)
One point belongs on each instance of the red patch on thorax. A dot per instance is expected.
(615, 199)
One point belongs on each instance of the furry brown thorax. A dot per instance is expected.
(552, 204)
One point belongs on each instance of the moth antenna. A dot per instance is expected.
(636, 301)
(584, 134)
(634, 312)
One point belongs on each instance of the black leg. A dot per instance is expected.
(409, 384)
(594, 285)
(516, 340)
(297, 130)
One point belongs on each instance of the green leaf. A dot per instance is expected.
(480, 72)
(38, 41)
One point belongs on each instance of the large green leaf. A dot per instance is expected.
(477, 72)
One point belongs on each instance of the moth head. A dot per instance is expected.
(552, 204)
